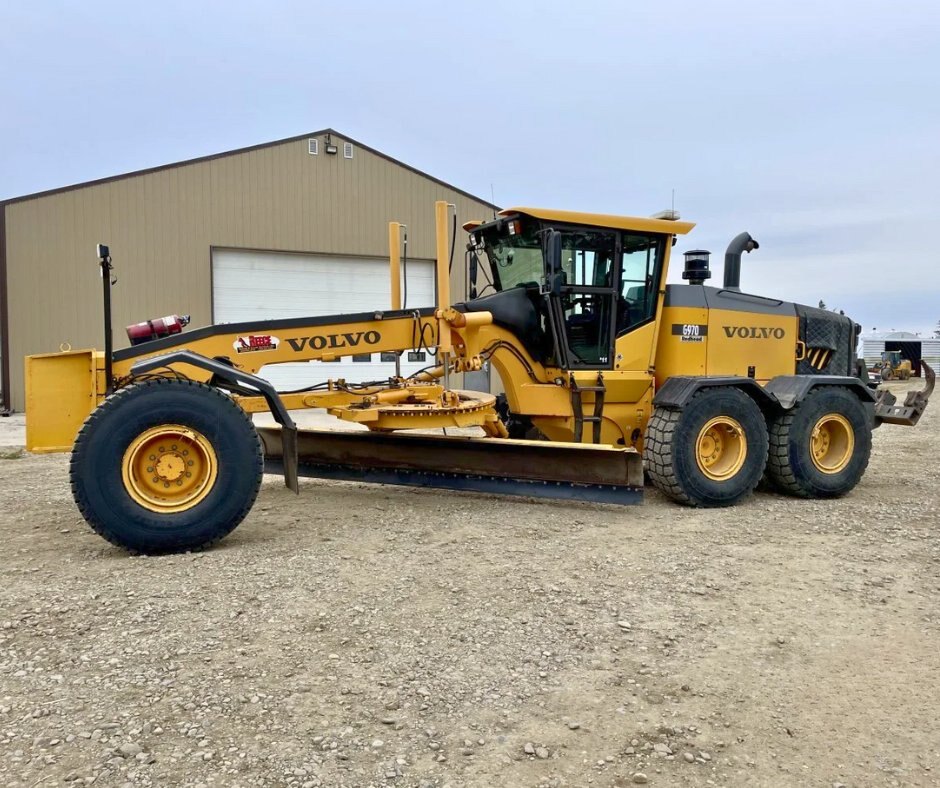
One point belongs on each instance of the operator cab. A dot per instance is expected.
(568, 284)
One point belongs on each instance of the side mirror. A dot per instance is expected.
(473, 266)
(554, 273)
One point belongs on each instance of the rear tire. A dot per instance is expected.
(166, 466)
(820, 448)
(710, 453)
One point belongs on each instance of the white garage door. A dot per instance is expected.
(250, 285)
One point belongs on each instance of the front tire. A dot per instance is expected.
(820, 448)
(166, 465)
(710, 453)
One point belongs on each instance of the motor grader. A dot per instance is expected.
(603, 364)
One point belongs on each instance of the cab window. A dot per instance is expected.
(588, 259)
(641, 262)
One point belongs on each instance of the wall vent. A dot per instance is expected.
(347, 150)
(313, 147)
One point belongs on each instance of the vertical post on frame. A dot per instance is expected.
(444, 343)
(394, 259)
(104, 260)
(443, 275)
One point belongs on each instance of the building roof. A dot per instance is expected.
(896, 336)
(235, 152)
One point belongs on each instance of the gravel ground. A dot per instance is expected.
(363, 635)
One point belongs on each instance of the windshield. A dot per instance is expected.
(514, 252)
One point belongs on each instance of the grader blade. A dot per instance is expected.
(537, 469)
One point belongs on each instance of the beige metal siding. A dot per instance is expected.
(161, 225)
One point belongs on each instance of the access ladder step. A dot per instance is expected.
(577, 407)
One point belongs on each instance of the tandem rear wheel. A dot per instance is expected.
(820, 448)
(166, 465)
(712, 452)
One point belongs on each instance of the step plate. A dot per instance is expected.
(539, 469)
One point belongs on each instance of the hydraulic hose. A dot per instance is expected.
(453, 243)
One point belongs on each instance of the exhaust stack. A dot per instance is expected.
(739, 244)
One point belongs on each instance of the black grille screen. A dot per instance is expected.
(830, 342)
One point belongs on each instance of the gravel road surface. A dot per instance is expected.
(362, 635)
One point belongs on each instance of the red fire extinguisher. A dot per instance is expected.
(156, 328)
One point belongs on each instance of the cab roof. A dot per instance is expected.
(638, 223)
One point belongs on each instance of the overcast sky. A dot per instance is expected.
(813, 125)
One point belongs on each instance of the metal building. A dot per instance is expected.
(913, 347)
(284, 229)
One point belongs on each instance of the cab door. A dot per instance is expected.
(582, 297)
(639, 283)
(640, 280)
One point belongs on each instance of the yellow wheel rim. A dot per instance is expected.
(721, 448)
(169, 468)
(832, 443)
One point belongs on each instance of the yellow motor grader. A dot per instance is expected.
(602, 362)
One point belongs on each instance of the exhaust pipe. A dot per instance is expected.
(739, 244)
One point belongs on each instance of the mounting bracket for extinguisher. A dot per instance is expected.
(104, 261)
